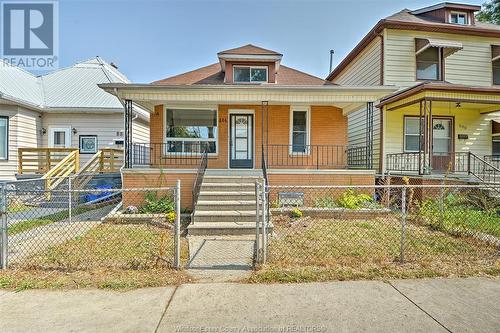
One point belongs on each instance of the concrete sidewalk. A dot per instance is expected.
(434, 305)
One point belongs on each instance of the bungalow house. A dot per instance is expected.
(245, 116)
(42, 118)
(444, 119)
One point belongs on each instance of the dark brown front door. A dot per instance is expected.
(442, 144)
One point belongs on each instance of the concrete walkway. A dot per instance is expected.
(447, 305)
(220, 258)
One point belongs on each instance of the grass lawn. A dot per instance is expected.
(107, 256)
(332, 249)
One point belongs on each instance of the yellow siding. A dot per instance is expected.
(364, 70)
(467, 121)
(470, 66)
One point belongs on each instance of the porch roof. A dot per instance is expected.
(485, 98)
(348, 98)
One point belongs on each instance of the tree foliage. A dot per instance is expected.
(490, 12)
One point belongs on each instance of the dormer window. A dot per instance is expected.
(459, 18)
(250, 74)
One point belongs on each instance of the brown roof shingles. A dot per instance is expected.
(250, 49)
(212, 75)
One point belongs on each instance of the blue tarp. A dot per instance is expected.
(98, 195)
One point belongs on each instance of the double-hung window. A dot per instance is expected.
(496, 71)
(250, 74)
(299, 135)
(4, 138)
(458, 18)
(430, 64)
(190, 131)
(413, 134)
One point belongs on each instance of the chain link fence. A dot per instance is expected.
(84, 229)
(429, 228)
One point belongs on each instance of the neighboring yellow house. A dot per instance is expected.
(447, 69)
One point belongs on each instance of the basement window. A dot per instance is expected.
(250, 74)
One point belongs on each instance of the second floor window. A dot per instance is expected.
(458, 18)
(429, 64)
(249, 74)
(496, 72)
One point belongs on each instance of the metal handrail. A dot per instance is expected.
(199, 177)
(484, 171)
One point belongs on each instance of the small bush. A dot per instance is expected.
(352, 200)
(325, 202)
(296, 213)
(157, 205)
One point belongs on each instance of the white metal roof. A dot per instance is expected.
(74, 87)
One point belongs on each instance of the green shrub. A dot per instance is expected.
(157, 205)
(352, 200)
(296, 213)
(325, 202)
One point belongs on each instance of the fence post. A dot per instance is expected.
(257, 222)
(177, 236)
(264, 221)
(4, 237)
(70, 199)
(403, 224)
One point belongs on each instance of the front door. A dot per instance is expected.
(59, 137)
(442, 140)
(241, 141)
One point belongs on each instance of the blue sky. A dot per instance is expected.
(153, 39)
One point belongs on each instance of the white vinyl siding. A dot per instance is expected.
(105, 126)
(24, 131)
(364, 70)
(469, 66)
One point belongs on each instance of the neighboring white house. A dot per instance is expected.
(64, 108)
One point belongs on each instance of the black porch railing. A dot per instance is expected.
(173, 154)
(199, 177)
(316, 156)
(467, 163)
(188, 154)
(455, 162)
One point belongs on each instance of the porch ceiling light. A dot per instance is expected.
(458, 105)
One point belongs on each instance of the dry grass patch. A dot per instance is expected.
(107, 256)
(327, 249)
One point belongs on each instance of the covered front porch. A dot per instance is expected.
(248, 127)
(441, 129)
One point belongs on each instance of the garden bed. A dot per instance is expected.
(337, 213)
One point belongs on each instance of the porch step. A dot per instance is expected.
(223, 228)
(224, 216)
(230, 179)
(220, 187)
(227, 195)
(221, 205)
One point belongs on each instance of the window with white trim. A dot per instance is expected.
(495, 146)
(459, 18)
(4, 138)
(299, 131)
(190, 130)
(412, 132)
(250, 74)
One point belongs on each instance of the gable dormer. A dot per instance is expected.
(452, 13)
(249, 64)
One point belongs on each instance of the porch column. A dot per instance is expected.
(264, 130)
(369, 135)
(421, 159)
(127, 115)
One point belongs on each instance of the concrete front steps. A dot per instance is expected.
(226, 203)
